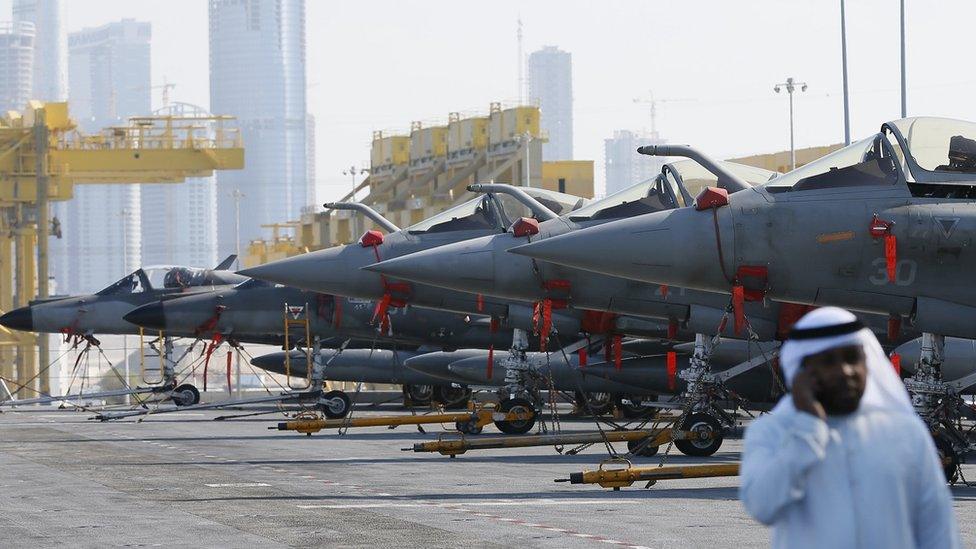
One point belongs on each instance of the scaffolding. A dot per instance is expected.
(43, 155)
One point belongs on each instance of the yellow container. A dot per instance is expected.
(468, 133)
(428, 142)
(389, 150)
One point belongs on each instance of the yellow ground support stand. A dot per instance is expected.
(617, 472)
(456, 446)
(479, 418)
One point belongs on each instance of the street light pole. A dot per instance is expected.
(843, 59)
(237, 195)
(904, 84)
(125, 271)
(790, 85)
(352, 172)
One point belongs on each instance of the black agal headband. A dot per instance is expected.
(800, 334)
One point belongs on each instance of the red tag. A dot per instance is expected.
(229, 392)
(618, 351)
(891, 255)
(672, 329)
(664, 291)
(896, 362)
(894, 328)
(738, 308)
(672, 370)
(582, 357)
(480, 303)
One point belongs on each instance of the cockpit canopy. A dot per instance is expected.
(494, 211)
(940, 161)
(676, 186)
(170, 278)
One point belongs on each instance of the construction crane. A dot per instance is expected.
(42, 157)
(650, 100)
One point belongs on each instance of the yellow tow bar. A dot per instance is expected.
(477, 418)
(456, 446)
(616, 473)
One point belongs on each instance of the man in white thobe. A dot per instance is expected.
(843, 460)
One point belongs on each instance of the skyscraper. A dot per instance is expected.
(50, 54)
(623, 166)
(16, 64)
(551, 85)
(109, 81)
(257, 73)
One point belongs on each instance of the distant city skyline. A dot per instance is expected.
(257, 73)
(622, 166)
(108, 81)
(550, 73)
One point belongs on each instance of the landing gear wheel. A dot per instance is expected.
(185, 395)
(597, 404)
(417, 395)
(631, 408)
(639, 448)
(451, 397)
(335, 404)
(517, 426)
(468, 427)
(707, 435)
(948, 456)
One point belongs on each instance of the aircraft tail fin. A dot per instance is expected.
(225, 264)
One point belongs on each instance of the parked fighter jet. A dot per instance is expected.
(85, 316)
(102, 312)
(883, 225)
(256, 311)
(481, 265)
(336, 271)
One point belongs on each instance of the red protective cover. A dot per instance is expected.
(711, 197)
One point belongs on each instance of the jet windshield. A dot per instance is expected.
(135, 283)
(865, 163)
(676, 186)
(939, 144)
(493, 212)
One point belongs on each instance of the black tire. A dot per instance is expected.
(597, 404)
(948, 456)
(639, 448)
(468, 427)
(335, 404)
(519, 426)
(708, 428)
(185, 395)
(629, 409)
(417, 395)
(451, 397)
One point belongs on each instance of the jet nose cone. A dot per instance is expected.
(463, 266)
(333, 270)
(672, 247)
(151, 316)
(18, 319)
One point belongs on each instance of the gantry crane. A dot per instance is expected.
(43, 155)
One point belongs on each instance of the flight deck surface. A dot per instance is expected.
(183, 479)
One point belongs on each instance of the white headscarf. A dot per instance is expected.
(884, 389)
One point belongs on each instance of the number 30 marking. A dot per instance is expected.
(905, 271)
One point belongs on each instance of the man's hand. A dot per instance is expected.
(804, 389)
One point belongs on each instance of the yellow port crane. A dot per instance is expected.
(43, 155)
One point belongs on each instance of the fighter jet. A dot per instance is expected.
(83, 317)
(883, 225)
(102, 312)
(481, 265)
(257, 312)
(335, 271)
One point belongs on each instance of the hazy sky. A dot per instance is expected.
(379, 64)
